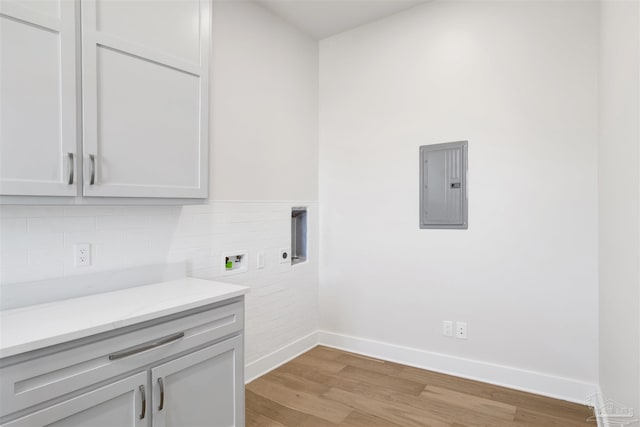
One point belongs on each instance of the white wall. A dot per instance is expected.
(518, 80)
(619, 205)
(264, 121)
(265, 106)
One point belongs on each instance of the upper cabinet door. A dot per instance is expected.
(145, 97)
(38, 98)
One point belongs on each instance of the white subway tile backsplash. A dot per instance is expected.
(15, 257)
(19, 211)
(54, 224)
(167, 222)
(12, 226)
(94, 237)
(84, 210)
(43, 272)
(194, 224)
(152, 210)
(121, 222)
(38, 243)
(39, 257)
(10, 242)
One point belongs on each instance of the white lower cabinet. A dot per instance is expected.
(183, 372)
(203, 379)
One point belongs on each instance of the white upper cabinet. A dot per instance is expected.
(38, 143)
(142, 68)
(145, 68)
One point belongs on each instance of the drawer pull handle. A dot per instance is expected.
(161, 384)
(144, 402)
(146, 346)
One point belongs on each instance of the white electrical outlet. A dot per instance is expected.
(82, 253)
(447, 328)
(461, 330)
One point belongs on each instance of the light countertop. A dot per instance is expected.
(43, 325)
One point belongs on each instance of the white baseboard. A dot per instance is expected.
(533, 382)
(599, 405)
(279, 357)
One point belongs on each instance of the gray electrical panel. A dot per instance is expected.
(443, 185)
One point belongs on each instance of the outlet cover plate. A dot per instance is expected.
(82, 254)
(461, 330)
(447, 328)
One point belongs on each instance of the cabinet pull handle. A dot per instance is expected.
(92, 178)
(144, 402)
(161, 384)
(145, 346)
(71, 168)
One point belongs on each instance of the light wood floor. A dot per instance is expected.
(326, 387)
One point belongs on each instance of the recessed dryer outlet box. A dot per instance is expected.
(235, 262)
(298, 235)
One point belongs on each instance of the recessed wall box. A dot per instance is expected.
(298, 235)
(443, 185)
(235, 262)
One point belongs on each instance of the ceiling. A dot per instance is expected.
(324, 18)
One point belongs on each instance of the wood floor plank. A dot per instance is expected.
(526, 417)
(258, 405)
(358, 419)
(369, 364)
(374, 379)
(327, 387)
(254, 419)
(450, 412)
(306, 372)
(317, 422)
(475, 404)
(361, 388)
(325, 353)
(512, 397)
(438, 410)
(295, 382)
(329, 410)
(319, 364)
(394, 412)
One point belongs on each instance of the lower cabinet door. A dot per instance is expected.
(120, 404)
(202, 389)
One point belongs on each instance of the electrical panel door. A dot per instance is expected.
(443, 185)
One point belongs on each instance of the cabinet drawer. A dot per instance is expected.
(38, 380)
